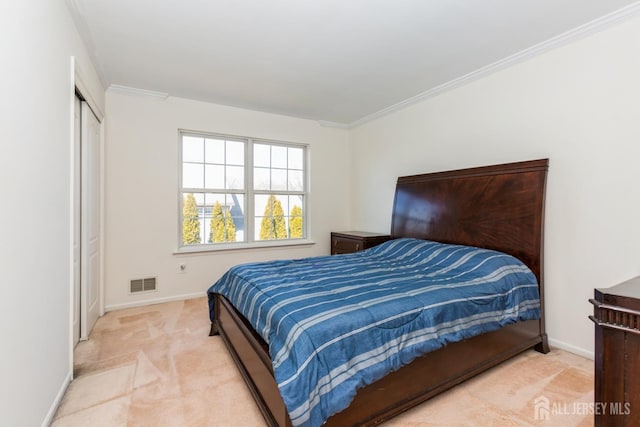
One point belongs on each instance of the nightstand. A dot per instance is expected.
(617, 357)
(346, 242)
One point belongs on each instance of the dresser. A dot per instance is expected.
(616, 316)
(346, 242)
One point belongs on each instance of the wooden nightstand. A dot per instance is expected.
(617, 358)
(346, 242)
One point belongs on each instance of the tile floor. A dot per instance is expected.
(157, 366)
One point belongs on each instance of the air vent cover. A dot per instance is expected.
(142, 285)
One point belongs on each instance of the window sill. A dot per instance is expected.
(241, 246)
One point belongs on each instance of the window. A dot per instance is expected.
(235, 191)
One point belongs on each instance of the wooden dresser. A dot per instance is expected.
(617, 354)
(346, 242)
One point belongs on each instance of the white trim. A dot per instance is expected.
(582, 31)
(86, 93)
(138, 92)
(77, 13)
(249, 193)
(72, 210)
(263, 244)
(152, 301)
(56, 402)
(330, 124)
(102, 215)
(78, 85)
(571, 348)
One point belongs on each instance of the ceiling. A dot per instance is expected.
(338, 61)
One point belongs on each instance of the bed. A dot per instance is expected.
(497, 208)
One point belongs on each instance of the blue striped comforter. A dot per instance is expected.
(337, 323)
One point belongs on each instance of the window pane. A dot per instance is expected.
(296, 181)
(212, 198)
(278, 156)
(262, 155)
(191, 220)
(260, 202)
(192, 149)
(237, 211)
(296, 217)
(235, 177)
(199, 198)
(205, 221)
(226, 222)
(261, 179)
(284, 203)
(192, 175)
(214, 176)
(214, 168)
(295, 158)
(270, 219)
(235, 153)
(236, 202)
(296, 201)
(214, 151)
(278, 179)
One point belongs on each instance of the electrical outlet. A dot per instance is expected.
(182, 268)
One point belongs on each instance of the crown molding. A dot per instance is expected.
(330, 124)
(137, 92)
(577, 33)
(76, 11)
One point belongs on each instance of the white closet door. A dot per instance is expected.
(90, 223)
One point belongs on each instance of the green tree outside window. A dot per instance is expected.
(273, 225)
(229, 226)
(295, 223)
(223, 229)
(190, 221)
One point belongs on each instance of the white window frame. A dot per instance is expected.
(249, 196)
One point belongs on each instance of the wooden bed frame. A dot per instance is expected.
(498, 207)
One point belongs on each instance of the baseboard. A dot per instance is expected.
(152, 301)
(56, 403)
(571, 348)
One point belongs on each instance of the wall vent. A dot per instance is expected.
(142, 285)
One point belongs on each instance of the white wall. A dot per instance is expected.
(142, 191)
(577, 105)
(38, 40)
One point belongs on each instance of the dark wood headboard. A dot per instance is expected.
(497, 207)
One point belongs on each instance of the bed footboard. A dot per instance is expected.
(405, 388)
(251, 355)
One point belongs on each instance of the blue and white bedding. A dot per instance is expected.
(337, 323)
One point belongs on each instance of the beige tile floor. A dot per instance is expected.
(157, 366)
